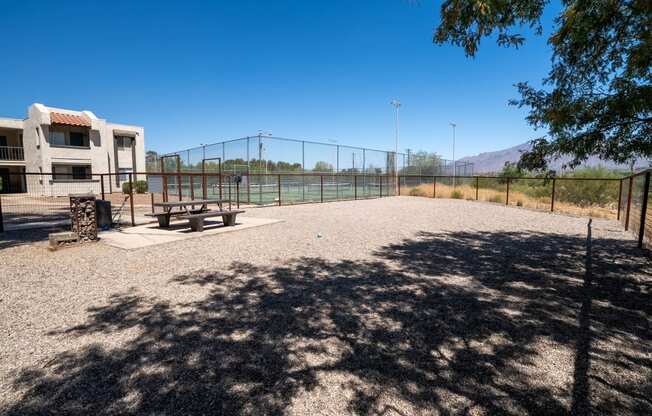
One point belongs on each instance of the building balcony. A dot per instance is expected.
(12, 153)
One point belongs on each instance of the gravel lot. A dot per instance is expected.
(396, 306)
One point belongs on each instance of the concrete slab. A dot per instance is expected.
(150, 234)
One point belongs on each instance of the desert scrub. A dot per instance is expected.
(455, 194)
(496, 198)
(417, 192)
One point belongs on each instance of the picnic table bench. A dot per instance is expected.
(197, 220)
(186, 207)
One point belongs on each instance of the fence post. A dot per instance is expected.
(552, 199)
(434, 187)
(380, 185)
(279, 190)
(192, 188)
(321, 187)
(646, 194)
(151, 194)
(477, 187)
(620, 198)
(102, 184)
(131, 199)
(398, 180)
(507, 196)
(2, 224)
(629, 202)
(203, 186)
(355, 187)
(237, 195)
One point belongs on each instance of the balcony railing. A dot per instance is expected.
(12, 153)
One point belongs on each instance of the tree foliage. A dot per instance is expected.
(597, 97)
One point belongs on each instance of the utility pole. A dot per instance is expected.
(397, 105)
(454, 167)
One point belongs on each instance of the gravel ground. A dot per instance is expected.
(395, 306)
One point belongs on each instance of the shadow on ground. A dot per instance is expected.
(456, 323)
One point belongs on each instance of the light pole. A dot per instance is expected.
(454, 170)
(397, 105)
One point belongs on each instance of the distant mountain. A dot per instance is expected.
(490, 162)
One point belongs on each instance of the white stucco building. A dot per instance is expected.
(72, 146)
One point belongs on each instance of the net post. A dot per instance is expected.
(646, 194)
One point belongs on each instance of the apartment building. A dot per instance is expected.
(66, 147)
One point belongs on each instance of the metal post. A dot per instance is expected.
(380, 185)
(507, 196)
(620, 198)
(192, 188)
(108, 164)
(2, 224)
(279, 190)
(434, 187)
(179, 177)
(236, 184)
(321, 187)
(646, 194)
(355, 186)
(237, 195)
(477, 187)
(151, 194)
(131, 199)
(102, 185)
(629, 202)
(552, 199)
(398, 179)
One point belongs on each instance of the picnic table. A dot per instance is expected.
(185, 207)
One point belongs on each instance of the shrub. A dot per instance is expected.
(496, 198)
(417, 192)
(140, 187)
(456, 194)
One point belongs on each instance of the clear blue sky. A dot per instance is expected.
(198, 72)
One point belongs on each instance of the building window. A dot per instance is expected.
(57, 138)
(61, 137)
(123, 142)
(124, 174)
(71, 172)
(3, 141)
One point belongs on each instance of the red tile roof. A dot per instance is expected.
(69, 119)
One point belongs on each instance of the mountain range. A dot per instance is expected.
(490, 162)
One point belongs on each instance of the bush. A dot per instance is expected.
(456, 194)
(417, 192)
(497, 198)
(140, 187)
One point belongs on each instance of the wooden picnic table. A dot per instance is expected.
(186, 207)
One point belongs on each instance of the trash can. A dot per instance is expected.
(103, 214)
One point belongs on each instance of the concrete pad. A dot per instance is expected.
(150, 234)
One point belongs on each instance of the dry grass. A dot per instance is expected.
(515, 198)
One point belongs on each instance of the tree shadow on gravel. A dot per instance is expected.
(453, 323)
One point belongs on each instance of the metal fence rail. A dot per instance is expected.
(265, 154)
(635, 202)
(42, 198)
